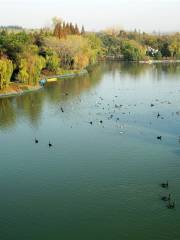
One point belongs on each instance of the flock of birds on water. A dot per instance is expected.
(116, 106)
(170, 203)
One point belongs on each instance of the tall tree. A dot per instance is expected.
(58, 31)
(72, 30)
(76, 30)
(83, 30)
(6, 70)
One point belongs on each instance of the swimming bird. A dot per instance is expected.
(36, 141)
(171, 205)
(159, 137)
(62, 110)
(101, 121)
(166, 198)
(91, 122)
(50, 144)
(165, 185)
(158, 115)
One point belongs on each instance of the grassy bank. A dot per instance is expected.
(19, 88)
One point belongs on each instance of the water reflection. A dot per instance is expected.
(30, 106)
(7, 113)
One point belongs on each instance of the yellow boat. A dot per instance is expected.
(51, 79)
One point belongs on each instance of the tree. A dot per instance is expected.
(14, 43)
(95, 46)
(30, 66)
(132, 51)
(112, 45)
(76, 30)
(6, 70)
(52, 61)
(72, 29)
(175, 48)
(58, 30)
(83, 31)
(75, 52)
(165, 51)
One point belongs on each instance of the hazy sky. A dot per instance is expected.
(147, 15)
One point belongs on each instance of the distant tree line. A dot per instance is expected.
(14, 27)
(138, 45)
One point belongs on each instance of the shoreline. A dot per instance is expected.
(161, 61)
(16, 89)
(150, 61)
(19, 91)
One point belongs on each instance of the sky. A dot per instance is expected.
(146, 15)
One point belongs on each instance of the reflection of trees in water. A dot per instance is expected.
(123, 68)
(126, 68)
(137, 69)
(7, 113)
(133, 69)
(168, 68)
(73, 86)
(30, 106)
(165, 71)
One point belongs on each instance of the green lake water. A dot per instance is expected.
(99, 181)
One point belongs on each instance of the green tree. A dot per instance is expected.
(30, 66)
(14, 43)
(132, 51)
(52, 61)
(6, 70)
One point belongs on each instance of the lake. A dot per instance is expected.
(101, 179)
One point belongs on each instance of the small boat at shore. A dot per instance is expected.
(51, 79)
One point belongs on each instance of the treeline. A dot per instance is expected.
(136, 45)
(26, 56)
(11, 27)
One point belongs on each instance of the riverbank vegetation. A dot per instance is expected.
(27, 56)
(136, 45)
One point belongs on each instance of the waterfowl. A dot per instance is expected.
(36, 141)
(91, 122)
(165, 185)
(159, 137)
(166, 198)
(158, 115)
(101, 121)
(171, 205)
(62, 110)
(50, 144)
(152, 105)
